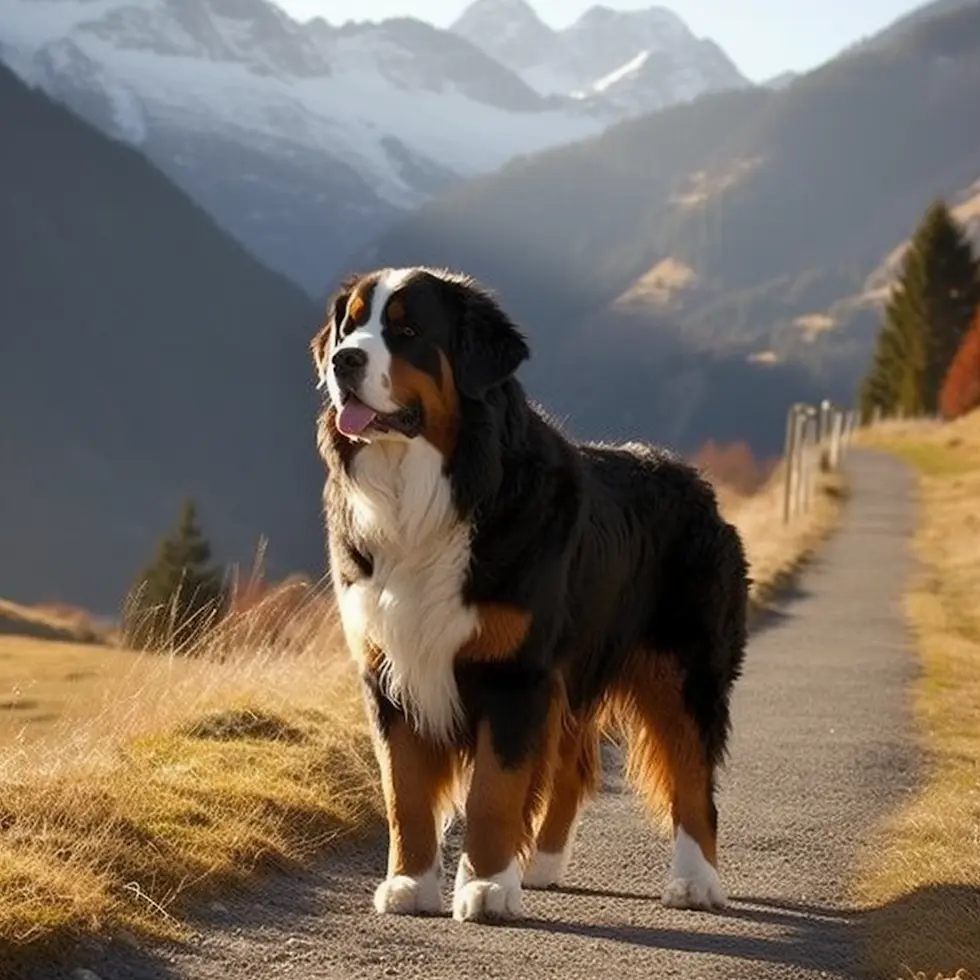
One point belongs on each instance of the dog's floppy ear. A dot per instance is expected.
(489, 347)
(335, 309)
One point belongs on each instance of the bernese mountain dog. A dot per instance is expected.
(510, 596)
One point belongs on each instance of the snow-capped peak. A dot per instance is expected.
(305, 137)
(298, 137)
(602, 51)
(499, 15)
(656, 18)
(508, 30)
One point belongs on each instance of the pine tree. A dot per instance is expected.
(178, 596)
(926, 318)
(961, 388)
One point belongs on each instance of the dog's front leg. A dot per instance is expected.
(415, 777)
(515, 748)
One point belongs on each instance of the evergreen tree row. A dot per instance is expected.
(926, 319)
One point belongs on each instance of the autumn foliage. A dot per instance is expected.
(961, 387)
(733, 466)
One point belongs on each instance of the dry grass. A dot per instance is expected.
(778, 551)
(187, 775)
(923, 888)
(156, 780)
(43, 682)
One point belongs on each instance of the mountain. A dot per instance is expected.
(620, 62)
(143, 355)
(305, 141)
(900, 26)
(708, 241)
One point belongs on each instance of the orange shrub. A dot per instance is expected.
(734, 466)
(960, 392)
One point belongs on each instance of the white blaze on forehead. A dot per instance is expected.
(368, 337)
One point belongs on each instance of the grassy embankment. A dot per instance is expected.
(144, 784)
(923, 887)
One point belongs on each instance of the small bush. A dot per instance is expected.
(733, 466)
(961, 387)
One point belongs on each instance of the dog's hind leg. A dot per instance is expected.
(576, 778)
(668, 762)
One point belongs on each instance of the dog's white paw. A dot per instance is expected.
(545, 869)
(695, 893)
(404, 895)
(479, 899)
(548, 868)
(694, 882)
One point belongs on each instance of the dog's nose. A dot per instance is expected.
(348, 361)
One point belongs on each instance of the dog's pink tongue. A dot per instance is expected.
(354, 417)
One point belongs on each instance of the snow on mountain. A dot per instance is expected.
(302, 139)
(618, 61)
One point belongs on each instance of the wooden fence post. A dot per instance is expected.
(790, 452)
(817, 438)
(836, 436)
(825, 416)
(811, 450)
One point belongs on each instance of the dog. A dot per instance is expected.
(510, 596)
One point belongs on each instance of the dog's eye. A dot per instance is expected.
(404, 330)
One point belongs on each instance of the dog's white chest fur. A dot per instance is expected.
(411, 607)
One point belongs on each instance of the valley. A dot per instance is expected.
(687, 252)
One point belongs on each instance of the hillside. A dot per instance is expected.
(876, 289)
(144, 355)
(775, 203)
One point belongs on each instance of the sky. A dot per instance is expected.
(763, 37)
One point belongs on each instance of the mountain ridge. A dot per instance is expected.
(147, 356)
(778, 202)
(602, 43)
(303, 140)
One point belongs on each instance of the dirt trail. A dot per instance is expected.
(821, 751)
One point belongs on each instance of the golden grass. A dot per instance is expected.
(777, 551)
(923, 887)
(43, 682)
(165, 778)
(190, 774)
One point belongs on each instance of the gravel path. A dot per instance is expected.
(820, 753)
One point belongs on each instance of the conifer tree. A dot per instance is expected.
(926, 318)
(178, 596)
(961, 388)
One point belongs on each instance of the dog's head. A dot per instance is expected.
(400, 348)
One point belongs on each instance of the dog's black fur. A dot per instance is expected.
(628, 574)
(612, 550)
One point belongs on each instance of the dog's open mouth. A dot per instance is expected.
(355, 418)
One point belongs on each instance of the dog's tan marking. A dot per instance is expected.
(357, 309)
(576, 777)
(416, 778)
(503, 628)
(439, 398)
(503, 802)
(395, 310)
(666, 759)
